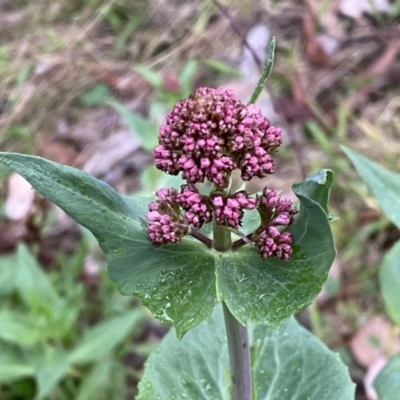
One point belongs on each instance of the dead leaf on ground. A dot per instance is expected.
(19, 204)
(374, 340)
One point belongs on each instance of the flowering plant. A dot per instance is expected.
(211, 242)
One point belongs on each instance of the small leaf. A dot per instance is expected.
(50, 368)
(383, 184)
(143, 129)
(387, 383)
(317, 187)
(153, 77)
(95, 96)
(291, 364)
(34, 285)
(99, 381)
(186, 76)
(104, 337)
(389, 277)
(18, 329)
(268, 291)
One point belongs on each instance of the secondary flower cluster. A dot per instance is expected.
(175, 214)
(212, 133)
(274, 212)
(207, 136)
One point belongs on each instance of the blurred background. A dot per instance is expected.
(87, 83)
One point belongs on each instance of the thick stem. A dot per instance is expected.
(238, 341)
(221, 237)
(239, 356)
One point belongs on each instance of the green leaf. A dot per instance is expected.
(194, 368)
(98, 381)
(104, 337)
(50, 368)
(387, 383)
(18, 329)
(389, 277)
(186, 77)
(33, 284)
(143, 129)
(7, 275)
(153, 77)
(12, 365)
(316, 187)
(268, 291)
(291, 365)
(95, 96)
(91, 202)
(383, 184)
(177, 283)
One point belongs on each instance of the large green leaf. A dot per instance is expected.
(389, 277)
(387, 383)
(291, 364)
(269, 291)
(383, 184)
(195, 368)
(178, 289)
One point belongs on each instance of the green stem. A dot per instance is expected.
(239, 356)
(221, 237)
(238, 341)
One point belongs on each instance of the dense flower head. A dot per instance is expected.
(272, 243)
(166, 223)
(198, 208)
(229, 210)
(206, 137)
(274, 212)
(212, 133)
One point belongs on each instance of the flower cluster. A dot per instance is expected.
(207, 136)
(274, 212)
(166, 222)
(229, 210)
(212, 133)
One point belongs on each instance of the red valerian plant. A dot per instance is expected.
(207, 136)
(206, 243)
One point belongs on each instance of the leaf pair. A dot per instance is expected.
(181, 283)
